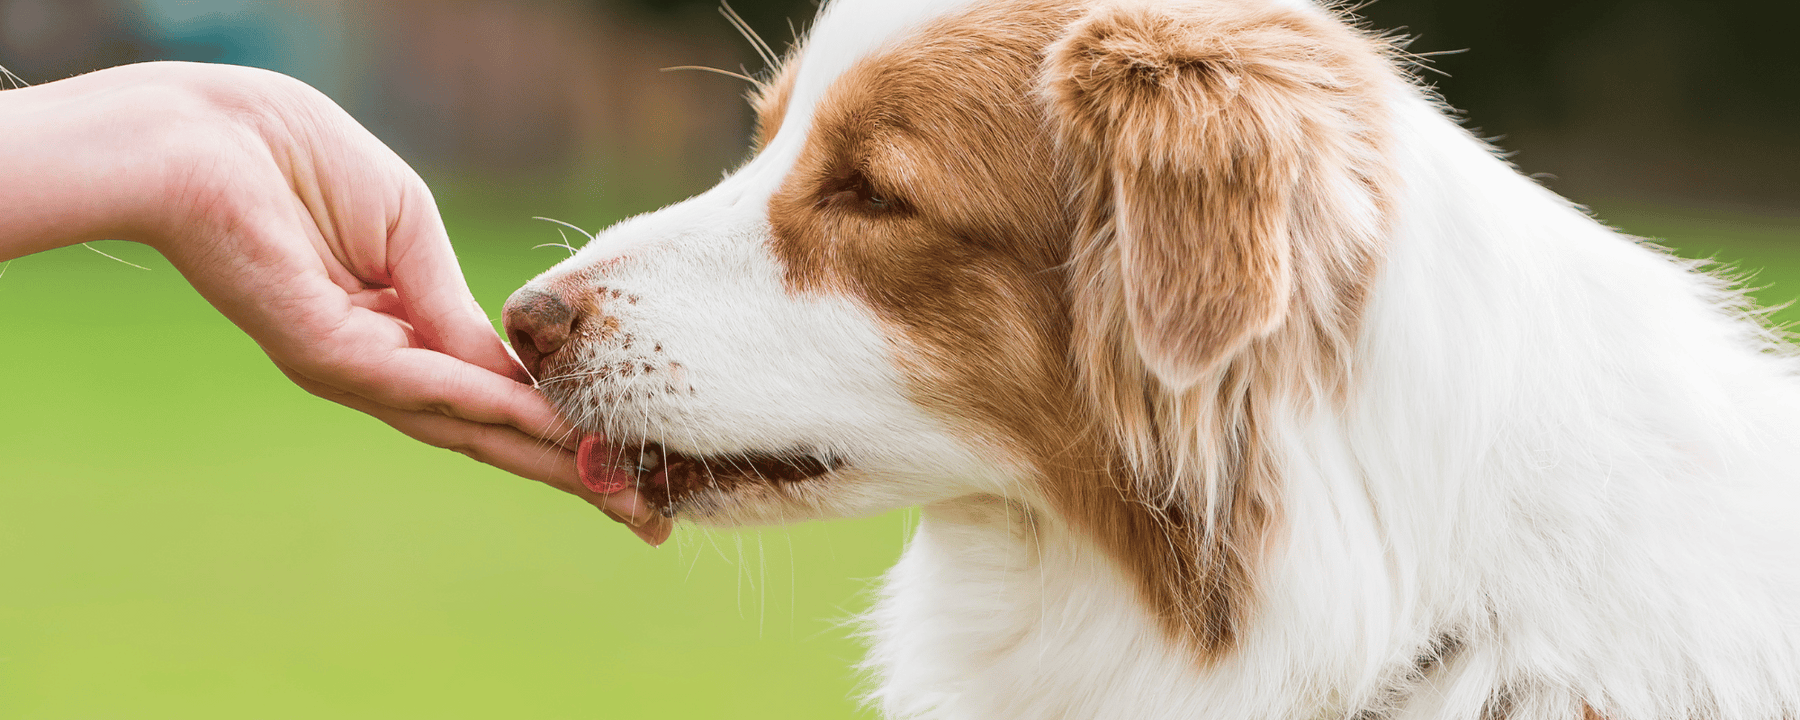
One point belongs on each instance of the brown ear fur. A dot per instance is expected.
(1228, 164)
(1206, 128)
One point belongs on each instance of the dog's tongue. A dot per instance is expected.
(603, 465)
(604, 469)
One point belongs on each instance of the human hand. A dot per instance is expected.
(316, 240)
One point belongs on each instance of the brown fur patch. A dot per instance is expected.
(1051, 231)
(770, 100)
(1230, 168)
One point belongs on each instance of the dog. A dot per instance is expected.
(1234, 377)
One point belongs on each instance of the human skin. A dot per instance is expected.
(304, 230)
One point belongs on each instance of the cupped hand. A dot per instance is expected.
(328, 250)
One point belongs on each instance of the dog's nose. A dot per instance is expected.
(539, 322)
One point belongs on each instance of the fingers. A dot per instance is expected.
(431, 287)
(508, 449)
(363, 361)
(654, 530)
(502, 447)
(424, 380)
(512, 451)
(385, 301)
(497, 445)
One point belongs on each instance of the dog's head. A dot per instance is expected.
(1047, 249)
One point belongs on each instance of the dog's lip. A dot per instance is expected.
(664, 477)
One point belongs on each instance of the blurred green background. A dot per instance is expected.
(185, 535)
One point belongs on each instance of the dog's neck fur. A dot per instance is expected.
(1609, 423)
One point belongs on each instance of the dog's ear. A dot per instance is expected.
(1200, 132)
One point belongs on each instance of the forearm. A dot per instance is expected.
(63, 176)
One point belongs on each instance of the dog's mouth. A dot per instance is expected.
(666, 478)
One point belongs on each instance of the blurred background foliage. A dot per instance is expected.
(1685, 101)
(183, 534)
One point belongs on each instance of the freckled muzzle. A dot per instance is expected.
(666, 479)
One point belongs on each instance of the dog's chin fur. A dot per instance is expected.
(1235, 379)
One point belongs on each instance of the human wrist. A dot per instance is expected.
(190, 152)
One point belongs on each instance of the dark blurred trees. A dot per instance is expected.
(1727, 56)
(1707, 60)
(47, 41)
(1689, 100)
(1672, 98)
(776, 21)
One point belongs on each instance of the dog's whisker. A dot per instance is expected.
(756, 42)
(17, 82)
(571, 226)
(727, 73)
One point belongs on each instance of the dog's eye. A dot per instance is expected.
(851, 189)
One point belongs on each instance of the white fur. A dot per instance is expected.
(767, 370)
(770, 371)
(1563, 450)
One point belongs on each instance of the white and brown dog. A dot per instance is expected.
(1235, 379)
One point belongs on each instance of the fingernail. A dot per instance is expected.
(645, 535)
(654, 533)
(630, 506)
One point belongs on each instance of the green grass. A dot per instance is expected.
(185, 535)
